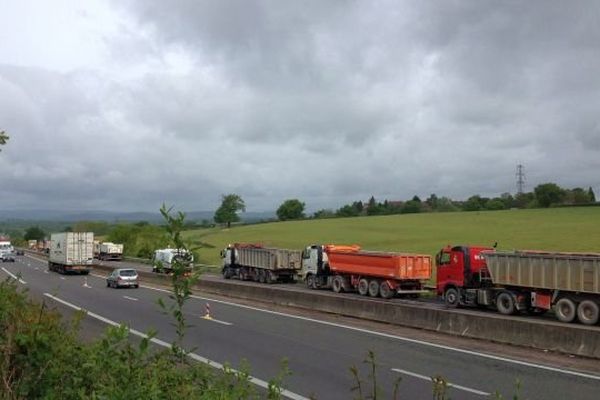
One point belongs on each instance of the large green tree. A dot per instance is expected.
(228, 211)
(290, 209)
(547, 194)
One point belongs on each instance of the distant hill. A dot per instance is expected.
(109, 216)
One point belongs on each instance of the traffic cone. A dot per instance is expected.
(207, 315)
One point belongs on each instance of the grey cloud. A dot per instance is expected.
(323, 100)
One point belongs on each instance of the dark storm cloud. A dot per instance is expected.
(328, 101)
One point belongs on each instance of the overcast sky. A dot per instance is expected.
(123, 105)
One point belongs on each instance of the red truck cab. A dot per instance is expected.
(460, 268)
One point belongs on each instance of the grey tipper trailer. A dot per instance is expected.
(567, 282)
(261, 264)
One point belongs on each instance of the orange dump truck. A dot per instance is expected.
(348, 268)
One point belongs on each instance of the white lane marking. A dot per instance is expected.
(401, 338)
(16, 278)
(46, 271)
(63, 278)
(194, 356)
(130, 298)
(36, 268)
(428, 378)
(216, 320)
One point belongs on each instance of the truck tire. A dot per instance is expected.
(385, 290)
(452, 297)
(262, 276)
(588, 312)
(310, 281)
(338, 284)
(245, 274)
(565, 310)
(363, 287)
(505, 303)
(226, 273)
(374, 288)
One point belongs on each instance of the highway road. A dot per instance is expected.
(320, 349)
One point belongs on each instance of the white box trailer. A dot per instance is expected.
(110, 251)
(71, 252)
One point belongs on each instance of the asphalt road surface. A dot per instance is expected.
(319, 350)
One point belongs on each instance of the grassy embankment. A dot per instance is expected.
(559, 229)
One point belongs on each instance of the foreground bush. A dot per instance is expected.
(42, 358)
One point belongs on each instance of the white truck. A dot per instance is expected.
(71, 252)
(5, 247)
(164, 259)
(110, 251)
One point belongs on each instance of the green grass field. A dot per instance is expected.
(560, 229)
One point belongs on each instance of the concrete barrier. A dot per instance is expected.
(548, 335)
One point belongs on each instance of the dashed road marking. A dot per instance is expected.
(194, 356)
(428, 378)
(16, 278)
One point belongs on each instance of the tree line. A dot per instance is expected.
(543, 196)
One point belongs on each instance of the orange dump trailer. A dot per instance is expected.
(373, 273)
(352, 260)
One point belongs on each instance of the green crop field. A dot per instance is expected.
(574, 229)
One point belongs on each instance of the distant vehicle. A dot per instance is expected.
(71, 252)
(165, 258)
(123, 277)
(7, 257)
(5, 247)
(110, 251)
(20, 252)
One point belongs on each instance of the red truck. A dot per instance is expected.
(533, 282)
(373, 273)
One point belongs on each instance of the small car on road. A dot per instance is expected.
(20, 252)
(123, 277)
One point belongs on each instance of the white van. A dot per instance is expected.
(164, 259)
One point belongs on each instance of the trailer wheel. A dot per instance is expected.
(588, 312)
(262, 276)
(363, 287)
(374, 288)
(565, 310)
(338, 284)
(310, 282)
(505, 303)
(385, 290)
(451, 297)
